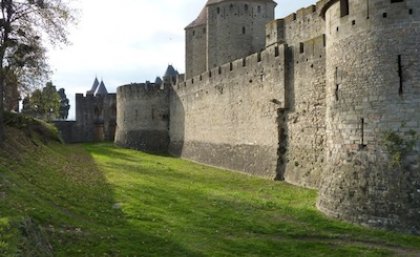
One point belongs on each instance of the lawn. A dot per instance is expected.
(101, 200)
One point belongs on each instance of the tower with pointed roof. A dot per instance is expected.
(95, 114)
(226, 30)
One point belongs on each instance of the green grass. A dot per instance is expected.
(101, 200)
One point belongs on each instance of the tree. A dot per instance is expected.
(63, 112)
(43, 104)
(23, 26)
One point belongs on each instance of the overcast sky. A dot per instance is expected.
(128, 41)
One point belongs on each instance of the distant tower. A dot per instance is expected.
(224, 31)
(196, 45)
(170, 75)
(101, 90)
(94, 87)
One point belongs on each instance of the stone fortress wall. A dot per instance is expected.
(312, 107)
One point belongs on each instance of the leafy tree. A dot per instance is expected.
(63, 112)
(43, 104)
(23, 24)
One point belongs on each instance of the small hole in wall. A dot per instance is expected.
(337, 29)
(353, 22)
(201, 78)
(250, 81)
(384, 15)
(312, 66)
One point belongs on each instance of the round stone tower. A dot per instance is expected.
(373, 113)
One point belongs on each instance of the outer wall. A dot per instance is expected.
(230, 117)
(366, 99)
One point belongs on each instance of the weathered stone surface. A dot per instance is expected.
(252, 159)
(372, 90)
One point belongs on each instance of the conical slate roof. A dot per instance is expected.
(170, 72)
(94, 87)
(158, 81)
(101, 90)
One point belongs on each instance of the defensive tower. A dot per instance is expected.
(226, 30)
(373, 97)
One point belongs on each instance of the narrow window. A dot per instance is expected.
(204, 30)
(337, 85)
(344, 8)
(400, 74)
(220, 70)
(301, 48)
(231, 7)
(410, 11)
(259, 9)
(218, 10)
(396, 1)
(367, 9)
(193, 32)
(243, 30)
(362, 132)
(230, 66)
(384, 15)
(246, 7)
(276, 51)
(243, 62)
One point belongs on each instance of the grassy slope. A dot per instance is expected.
(100, 200)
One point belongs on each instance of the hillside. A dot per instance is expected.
(101, 200)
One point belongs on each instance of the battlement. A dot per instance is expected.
(271, 56)
(136, 90)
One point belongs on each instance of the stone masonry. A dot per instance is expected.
(327, 97)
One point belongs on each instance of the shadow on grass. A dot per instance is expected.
(61, 204)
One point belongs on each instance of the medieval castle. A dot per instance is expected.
(327, 98)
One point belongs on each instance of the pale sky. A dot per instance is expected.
(128, 41)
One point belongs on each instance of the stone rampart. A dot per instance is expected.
(229, 116)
